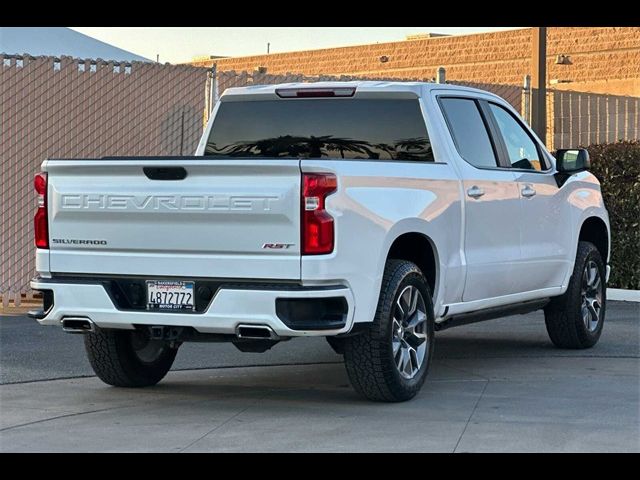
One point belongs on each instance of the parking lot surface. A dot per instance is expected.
(494, 386)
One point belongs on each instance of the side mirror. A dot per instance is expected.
(569, 162)
(572, 161)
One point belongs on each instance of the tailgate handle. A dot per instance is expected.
(165, 173)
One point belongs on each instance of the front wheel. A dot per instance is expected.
(390, 359)
(128, 358)
(575, 319)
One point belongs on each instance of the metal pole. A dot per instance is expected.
(213, 93)
(441, 75)
(182, 132)
(539, 81)
(526, 93)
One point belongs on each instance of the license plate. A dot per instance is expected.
(170, 295)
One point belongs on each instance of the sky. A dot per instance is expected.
(182, 44)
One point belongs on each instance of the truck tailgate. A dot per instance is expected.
(227, 219)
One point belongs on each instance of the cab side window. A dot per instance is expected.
(469, 131)
(521, 148)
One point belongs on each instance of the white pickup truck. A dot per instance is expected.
(371, 213)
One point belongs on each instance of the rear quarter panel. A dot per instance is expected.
(374, 204)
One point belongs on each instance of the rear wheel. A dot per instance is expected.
(389, 361)
(575, 319)
(128, 358)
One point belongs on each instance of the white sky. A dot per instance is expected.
(181, 44)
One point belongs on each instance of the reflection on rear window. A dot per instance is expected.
(321, 128)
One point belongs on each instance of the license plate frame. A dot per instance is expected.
(174, 296)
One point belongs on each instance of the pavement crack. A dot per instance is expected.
(186, 369)
(43, 420)
(220, 425)
(257, 365)
(471, 416)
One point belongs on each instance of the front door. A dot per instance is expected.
(545, 223)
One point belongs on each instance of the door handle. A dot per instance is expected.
(528, 191)
(475, 192)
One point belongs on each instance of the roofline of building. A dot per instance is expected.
(359, 45)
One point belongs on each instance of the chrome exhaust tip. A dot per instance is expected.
(77, 325)
(256, 332)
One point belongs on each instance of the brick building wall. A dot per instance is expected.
(602, 59)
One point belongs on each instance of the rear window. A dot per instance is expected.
(358, 129)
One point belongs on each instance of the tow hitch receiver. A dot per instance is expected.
(160, 332)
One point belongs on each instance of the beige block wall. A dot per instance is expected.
(597, 54)
(503, 55)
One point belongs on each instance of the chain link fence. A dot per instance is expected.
(71, 108)
(584, 118)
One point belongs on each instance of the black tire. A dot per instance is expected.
(369, 357)
(119, 358)
(563, 316)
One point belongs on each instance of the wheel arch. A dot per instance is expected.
(595, 230)
(419, 248)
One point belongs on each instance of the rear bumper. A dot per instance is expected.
(229, 308)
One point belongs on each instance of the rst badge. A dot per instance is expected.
(277, 246)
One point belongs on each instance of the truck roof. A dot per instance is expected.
(361, 87)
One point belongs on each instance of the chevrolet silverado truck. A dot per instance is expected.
(370, 213)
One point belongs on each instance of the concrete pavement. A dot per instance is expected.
(558, 404)
(495, 386)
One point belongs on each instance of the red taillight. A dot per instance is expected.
(40, 222)
(317, 224)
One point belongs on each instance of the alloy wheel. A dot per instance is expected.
(409, 332)
(591, 296)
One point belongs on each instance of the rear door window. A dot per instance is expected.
(469, 131)
(356, 129)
